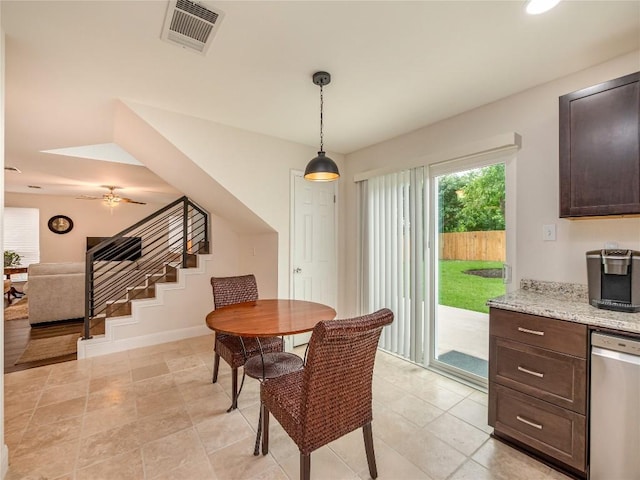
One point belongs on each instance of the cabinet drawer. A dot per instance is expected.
(554, 431)
(550, 376)
(549, 333)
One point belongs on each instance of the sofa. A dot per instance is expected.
(55, 291)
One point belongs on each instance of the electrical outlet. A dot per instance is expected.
(549, 232)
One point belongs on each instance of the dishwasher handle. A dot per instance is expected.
(620, 356)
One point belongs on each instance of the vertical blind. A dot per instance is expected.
(393, 244)
(22, 233)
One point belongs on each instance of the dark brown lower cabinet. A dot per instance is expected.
(538, 387)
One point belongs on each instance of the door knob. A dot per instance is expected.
(297, 270)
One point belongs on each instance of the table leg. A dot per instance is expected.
(256, 448)
(16, 293)
(234, 401)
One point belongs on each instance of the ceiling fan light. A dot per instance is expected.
(321, 169)
(535, 7)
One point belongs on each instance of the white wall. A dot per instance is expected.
(91, 218)
(4, 453)
(243, 253)
(254, 258)
(254, 168)
(534, 115)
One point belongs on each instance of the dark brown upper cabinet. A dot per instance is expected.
(600, 149)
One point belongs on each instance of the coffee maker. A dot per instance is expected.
(614, 279)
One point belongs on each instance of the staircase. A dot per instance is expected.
(122, 306)
(132, 264)
(176, 311)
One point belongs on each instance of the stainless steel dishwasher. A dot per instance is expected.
(615, 408)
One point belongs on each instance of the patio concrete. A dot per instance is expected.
(462, 330)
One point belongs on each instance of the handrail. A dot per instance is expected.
(123, 266)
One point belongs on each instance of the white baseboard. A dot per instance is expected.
(4, 461)
(147, 314)
(99, 345)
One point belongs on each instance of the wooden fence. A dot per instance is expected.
(489, 246)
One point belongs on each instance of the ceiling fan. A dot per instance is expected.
(111, 199)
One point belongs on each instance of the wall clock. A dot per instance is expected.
(60, 224)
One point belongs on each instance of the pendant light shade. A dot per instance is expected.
(321, 168)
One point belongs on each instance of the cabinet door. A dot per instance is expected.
(554, 431)
(554, 377)
(599, 149)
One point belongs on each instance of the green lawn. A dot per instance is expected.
(462, 290)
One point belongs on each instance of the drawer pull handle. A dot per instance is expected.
(532, 332)
(530, 372)
(529, 422)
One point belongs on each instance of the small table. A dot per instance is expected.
(8, 271)
(269, 318)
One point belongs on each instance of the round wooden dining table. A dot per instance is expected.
(269, 318)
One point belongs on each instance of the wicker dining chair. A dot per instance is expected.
(331, 395)
(233, 349)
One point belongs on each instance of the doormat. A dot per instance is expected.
(17, 311)
(51, 347)
(465, 362)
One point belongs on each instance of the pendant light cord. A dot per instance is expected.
(321, 108)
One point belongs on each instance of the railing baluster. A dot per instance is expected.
(185, 226)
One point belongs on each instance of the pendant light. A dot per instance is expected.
(321, 168)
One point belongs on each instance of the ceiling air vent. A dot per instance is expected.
(191, 25)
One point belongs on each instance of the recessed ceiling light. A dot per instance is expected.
(535, 7)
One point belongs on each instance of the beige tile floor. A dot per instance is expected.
(152, 413)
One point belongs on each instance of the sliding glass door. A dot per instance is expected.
(434, 249)
(468, 258)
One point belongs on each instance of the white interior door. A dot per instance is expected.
(313, 244)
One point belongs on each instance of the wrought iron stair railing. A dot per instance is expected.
(127, 265)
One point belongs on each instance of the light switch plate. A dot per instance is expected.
(549, 232)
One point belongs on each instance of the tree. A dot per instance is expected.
(449, 188)
(483, 200)
(473, 201)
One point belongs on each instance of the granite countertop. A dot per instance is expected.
(565, 301)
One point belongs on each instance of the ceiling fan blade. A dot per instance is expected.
(128, 200)
(88, 197)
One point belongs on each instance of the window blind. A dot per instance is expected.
(22, 233)
(392, 257)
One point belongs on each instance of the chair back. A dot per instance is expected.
(231, 290)
(338, 376)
